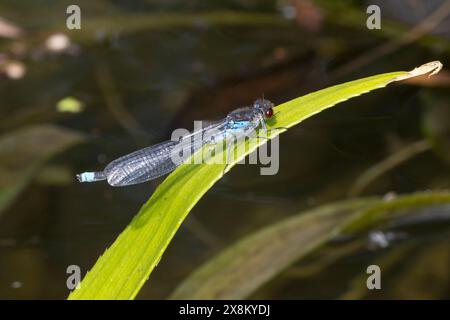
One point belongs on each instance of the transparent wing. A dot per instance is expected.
(142, 165)
(157, 160)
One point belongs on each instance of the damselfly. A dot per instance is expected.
(157, 160)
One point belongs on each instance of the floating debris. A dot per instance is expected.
(379, 239)
(70, 104)
(57, 42)
(13, 69)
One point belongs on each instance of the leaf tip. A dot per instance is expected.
(432, 68)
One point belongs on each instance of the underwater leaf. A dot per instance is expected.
(23, 151)
(123, 269)
(393, 209)
(122, 23)
(245, 266)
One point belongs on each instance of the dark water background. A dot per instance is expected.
(138, 78)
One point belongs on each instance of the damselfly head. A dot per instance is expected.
(265, 107)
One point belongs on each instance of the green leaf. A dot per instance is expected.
(127, 264)
(22, 152)
(243, 267)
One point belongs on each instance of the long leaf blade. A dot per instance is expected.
(127, 264)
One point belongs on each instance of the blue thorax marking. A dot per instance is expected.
(239, 124)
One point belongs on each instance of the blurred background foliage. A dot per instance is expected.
(72, 100)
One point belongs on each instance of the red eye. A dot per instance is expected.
(268, 113)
